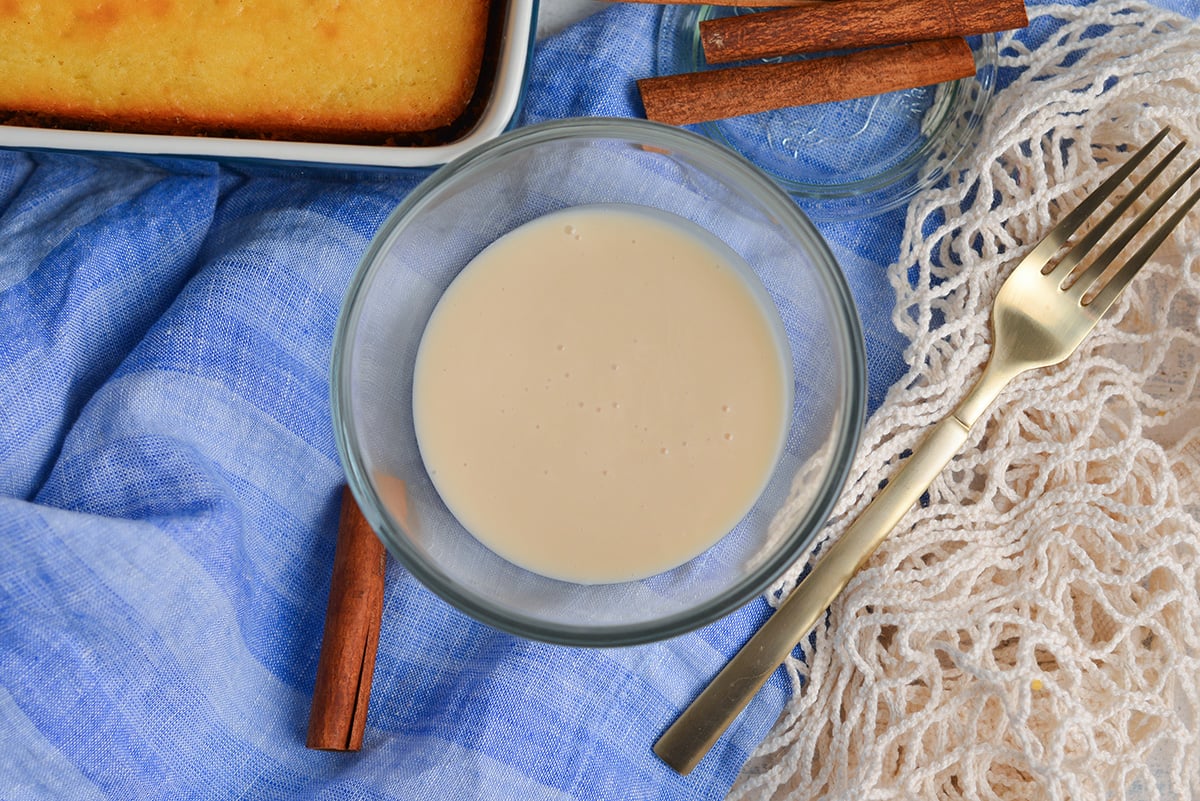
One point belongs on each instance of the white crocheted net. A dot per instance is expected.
(1034, 631)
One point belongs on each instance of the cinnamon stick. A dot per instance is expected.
(842, 24)
(716, 94)
(351, 637)
(742, 3)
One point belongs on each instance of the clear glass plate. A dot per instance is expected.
(848, 158)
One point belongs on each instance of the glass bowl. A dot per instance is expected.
(484, 194)
(850, 158)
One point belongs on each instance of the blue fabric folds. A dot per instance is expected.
(169, 488)
(169, 491)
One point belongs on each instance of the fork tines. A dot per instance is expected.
(1085, 288)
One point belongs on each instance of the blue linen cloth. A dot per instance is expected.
(169, 492)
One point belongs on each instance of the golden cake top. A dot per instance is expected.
(375, 64)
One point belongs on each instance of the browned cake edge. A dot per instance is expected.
(394, 130)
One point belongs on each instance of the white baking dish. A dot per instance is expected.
(515, 50)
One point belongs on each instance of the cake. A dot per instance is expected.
(328, 70)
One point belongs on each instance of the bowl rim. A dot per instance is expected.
(799, 537)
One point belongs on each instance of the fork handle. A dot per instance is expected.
(696, 730)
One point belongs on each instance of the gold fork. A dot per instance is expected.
(1038, 319)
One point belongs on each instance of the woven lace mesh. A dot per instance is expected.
(1033, 631)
